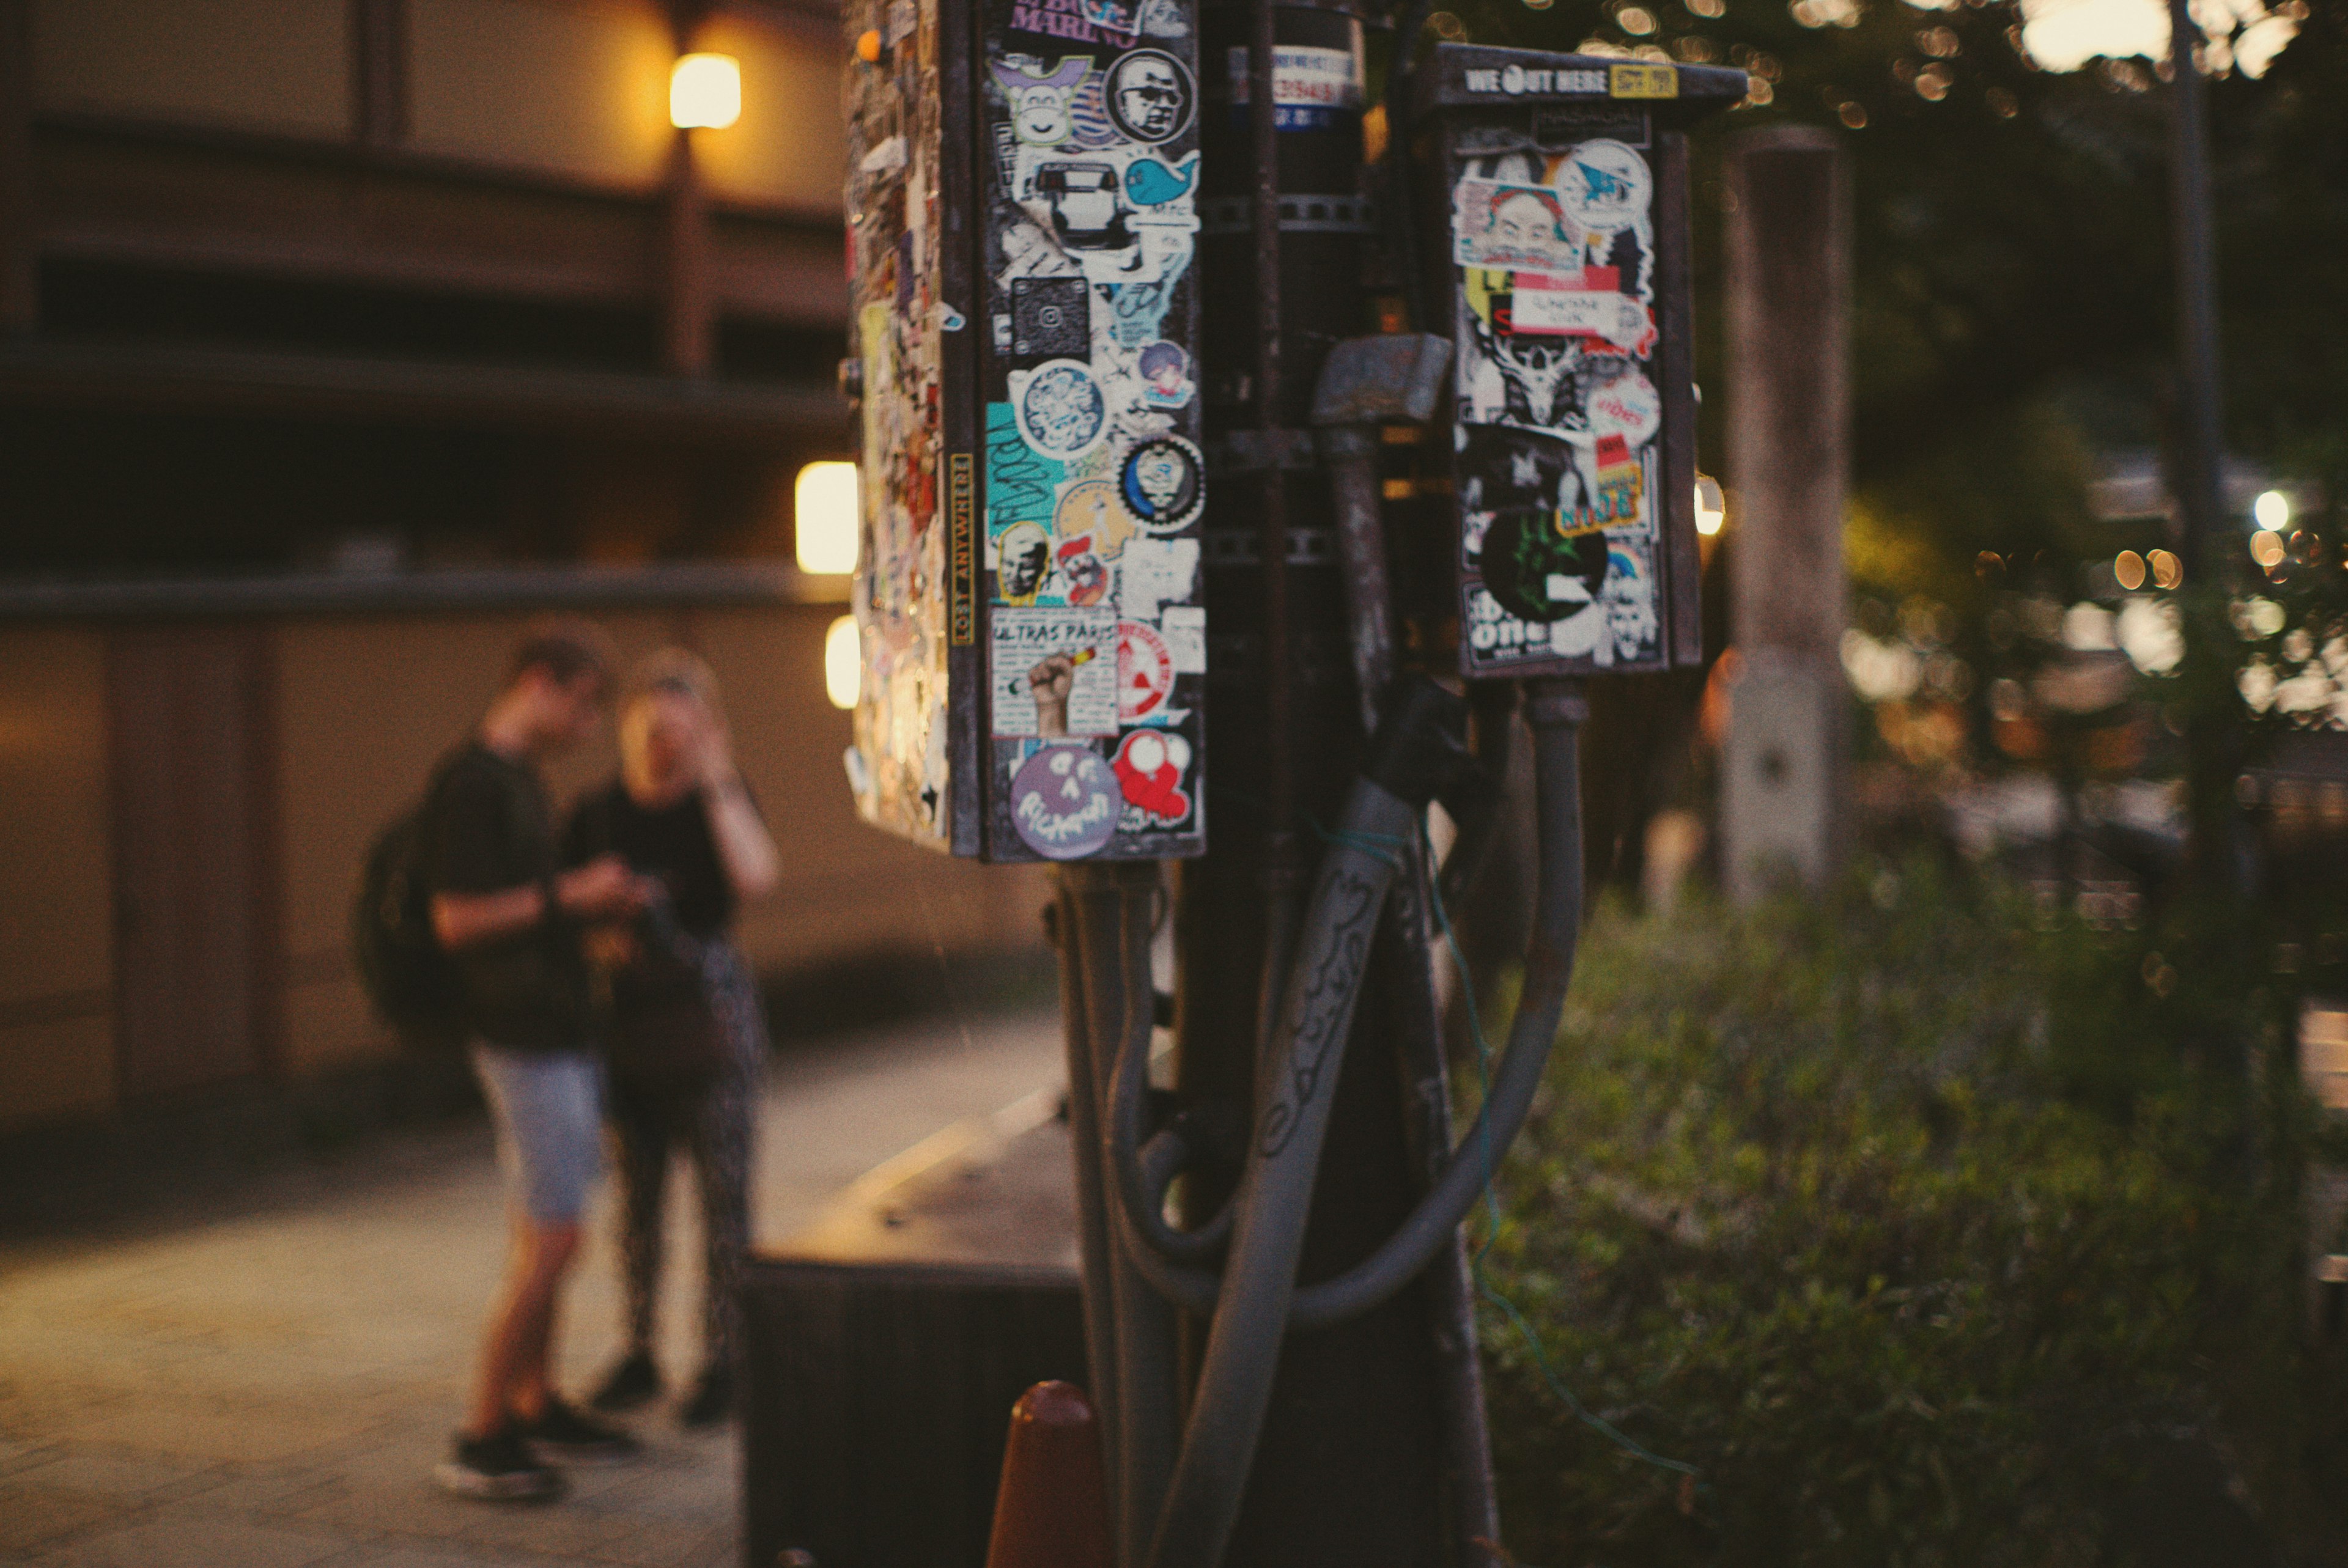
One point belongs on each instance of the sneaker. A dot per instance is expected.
(634, 1381)
(561, 1433)
(499, 1467)
(711, 1400)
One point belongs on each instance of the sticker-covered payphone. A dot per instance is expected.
(1022, 222)
(1563, 274)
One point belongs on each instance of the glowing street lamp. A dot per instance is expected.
(1711, 510)
(2272, 510)
(824, 501)
(843, 662)
(704, 92)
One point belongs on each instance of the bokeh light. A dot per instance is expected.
(843, 662)
(824, 502)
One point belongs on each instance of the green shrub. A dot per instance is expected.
(1894, 1216)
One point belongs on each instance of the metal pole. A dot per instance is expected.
(2201, 443)
(2198, 478)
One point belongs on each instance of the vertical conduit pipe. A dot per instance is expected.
(1093, 1257)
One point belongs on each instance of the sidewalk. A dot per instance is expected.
(268, 1380)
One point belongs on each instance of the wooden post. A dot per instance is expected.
(20, 298)
(1788, 265)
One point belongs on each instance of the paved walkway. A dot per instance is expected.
(267, 1381)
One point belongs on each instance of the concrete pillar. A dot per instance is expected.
(1788, 275)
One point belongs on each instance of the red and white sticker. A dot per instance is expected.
(1145, 672)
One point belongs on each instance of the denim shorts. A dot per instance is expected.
(549, 1106)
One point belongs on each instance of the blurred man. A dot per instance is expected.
(511, 921)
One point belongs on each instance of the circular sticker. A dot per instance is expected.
(1063, 413)
(1149, 96)
(1627, 406)
(1064, 801)
(1604, 185)
(1162, 483)
(1145, 672)
(1536, 575)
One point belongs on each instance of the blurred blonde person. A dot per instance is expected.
(689, 1037)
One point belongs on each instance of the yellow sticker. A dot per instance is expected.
(1642, 81)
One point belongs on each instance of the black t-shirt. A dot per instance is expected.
(491, 827)
(673, 843)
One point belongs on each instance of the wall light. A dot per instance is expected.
(704, 92)
(824, 502)
(1711, 510)
(843, 662)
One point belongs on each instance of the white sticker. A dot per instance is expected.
(1157, 571)
(1302, 75)
(1054, 670)
(1184, 628)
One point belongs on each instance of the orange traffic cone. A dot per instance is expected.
(1053, 1509)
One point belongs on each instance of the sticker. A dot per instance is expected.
(1023, 559)
(1084, 199)
(948, 319)
(1149, 768)
(1068, 19)
(1041, 113)
(1633, 619)
(1114, 16)
(1507, 470)
(1054, 670)
(1642, 81)
(1088, 508)
(1150, 96)
(1155, 572)
(1051, 318)
(1536, 575)
(1165, 375)
(1629, 407)
(1501, 224)
(1064, 801)
(1590, 305)
(961, 551)
(1311, 86)
(1184, 628)
(1605, 186)
(1063, 413)
(1162, 483)
(1088, 110)
(1145, 672)
(1151, 182)
(1020, 482)
(1078, 574)
(1514, 79)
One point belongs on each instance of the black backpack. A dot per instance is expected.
(409, 979)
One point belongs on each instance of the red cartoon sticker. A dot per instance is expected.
(1150, 767)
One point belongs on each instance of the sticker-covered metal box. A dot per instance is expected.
(1559, 197)
(1022, 222)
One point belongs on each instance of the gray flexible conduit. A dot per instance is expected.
(1293, 1107)
(1556, 711)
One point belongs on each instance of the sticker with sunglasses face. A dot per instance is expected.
(1150, 95)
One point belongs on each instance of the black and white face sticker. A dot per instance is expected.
(1150, 95)
(1162, 483)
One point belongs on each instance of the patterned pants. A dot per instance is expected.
(714, 1126)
